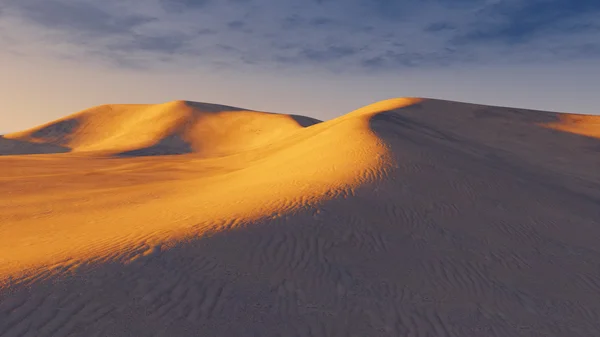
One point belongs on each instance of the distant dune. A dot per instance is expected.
(407, 217)
(585, 125)
(171, 128)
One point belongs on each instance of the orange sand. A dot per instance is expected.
(584, 125)
(82, 206)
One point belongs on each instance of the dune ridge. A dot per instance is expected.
(407, 217)
(342, 153)
(169, 128)
(585, 125)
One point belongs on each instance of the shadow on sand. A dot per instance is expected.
(12, 147)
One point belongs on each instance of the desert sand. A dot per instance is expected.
(407, 217)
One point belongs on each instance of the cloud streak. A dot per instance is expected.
(350, 35)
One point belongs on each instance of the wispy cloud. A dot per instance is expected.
(349, 35)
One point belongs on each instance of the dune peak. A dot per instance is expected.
(173, 127)
(387, 105)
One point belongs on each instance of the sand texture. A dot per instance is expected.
(408, 217)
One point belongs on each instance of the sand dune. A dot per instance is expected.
(171, 128)
(579, 124)
(408, 217)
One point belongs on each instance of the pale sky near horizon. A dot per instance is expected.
(320, 58)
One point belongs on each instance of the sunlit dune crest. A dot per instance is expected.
(179, 126)
(585, 125)
(406, 217)
(261, 164)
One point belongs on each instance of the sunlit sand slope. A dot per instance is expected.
(95, 207)
(579, 124)
(408, 217)
(170, 128)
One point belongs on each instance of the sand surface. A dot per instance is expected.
(408, 217)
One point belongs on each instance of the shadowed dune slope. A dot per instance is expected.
(170, 128)
(17, 147)
(407, 217)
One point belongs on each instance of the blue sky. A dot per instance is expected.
(317, 57)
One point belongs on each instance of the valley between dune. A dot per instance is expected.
(407, 217)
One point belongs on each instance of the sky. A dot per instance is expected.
(321, 58)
